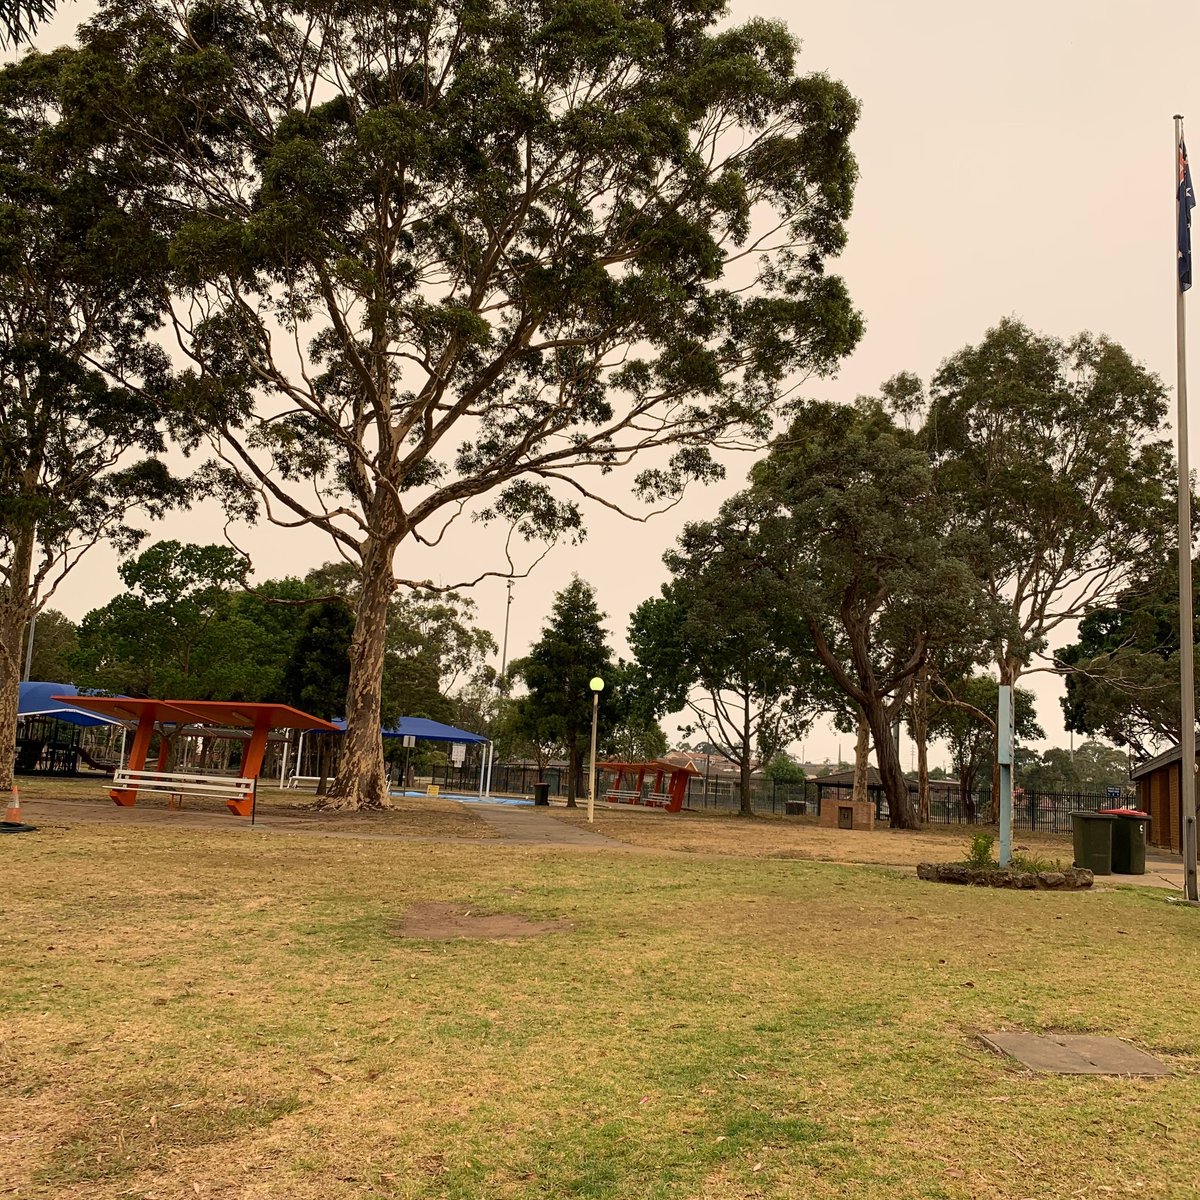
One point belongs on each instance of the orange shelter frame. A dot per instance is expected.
(669, 797)
(259, 718)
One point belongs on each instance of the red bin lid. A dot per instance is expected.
(1125, 812)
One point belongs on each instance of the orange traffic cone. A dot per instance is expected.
(13, 814)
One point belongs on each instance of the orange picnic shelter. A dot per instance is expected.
(260, 719)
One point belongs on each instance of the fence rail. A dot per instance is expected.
(1043, 812)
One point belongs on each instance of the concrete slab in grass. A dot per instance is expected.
(1075, 1054)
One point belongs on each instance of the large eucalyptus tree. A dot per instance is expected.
(457, 250)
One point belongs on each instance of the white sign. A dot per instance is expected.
(458, 753)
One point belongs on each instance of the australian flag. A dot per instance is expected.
(1186, 202)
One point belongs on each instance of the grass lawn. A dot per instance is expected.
(717, 832)
(233, 1014)
(410, 816)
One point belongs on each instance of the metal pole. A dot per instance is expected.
(592, 778)
(1187, 683)
(1004, 758)
(504, 647)
(29, 647)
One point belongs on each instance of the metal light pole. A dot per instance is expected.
(1005, 727)
(1187, 685)
(597, 686)
(485, 785)
(29, 646)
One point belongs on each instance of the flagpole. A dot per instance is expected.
(1187, 683)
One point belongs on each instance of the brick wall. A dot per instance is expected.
(863, 810)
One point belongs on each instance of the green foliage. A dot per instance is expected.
(723, 642)
(965, 718)
(1034, 863)
(852, 512)
(177, 631)
(83, 237)
(503, 242)
(19, 20)
(54, 642)
(571, 650)
(633, 734)
(318, 668)
(1091, 767)
(979, 852)
(1122, 673)
(784, 769)
(1060, 482)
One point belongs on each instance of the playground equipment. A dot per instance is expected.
(259, 718)
(668, 788)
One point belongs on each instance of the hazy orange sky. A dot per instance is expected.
(1014, 159)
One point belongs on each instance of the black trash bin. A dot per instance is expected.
(541, 793)
(1093, 836)
(1129, 840)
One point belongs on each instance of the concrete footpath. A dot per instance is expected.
(527, 826)
(1162, 871)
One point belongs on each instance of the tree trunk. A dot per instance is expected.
(362, 775)
(862, 760)
(745, 807)
(895, 786)
(323, 765)
(15, 613)
(920, 727)
(572, 772)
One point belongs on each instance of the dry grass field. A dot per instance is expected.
(230, 1013)
(410, 816)
(717, 832)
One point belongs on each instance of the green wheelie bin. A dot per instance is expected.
(1093, 836)
(1128, 840)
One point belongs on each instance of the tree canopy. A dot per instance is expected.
(965, 718)
(723, 643)
(445, 252)
(1060, 483)
(572, 649)
(852, 513)
(1122, 672)
(83, 259)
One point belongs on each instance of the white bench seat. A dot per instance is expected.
(632, 796)
(237, 791)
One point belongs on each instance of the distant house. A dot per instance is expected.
(1157, 782)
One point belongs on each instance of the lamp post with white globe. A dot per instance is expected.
(597, 686)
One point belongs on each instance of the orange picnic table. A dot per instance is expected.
(259, 718)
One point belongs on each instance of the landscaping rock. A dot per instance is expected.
(1071, 879)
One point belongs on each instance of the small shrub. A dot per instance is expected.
(979, 853)
(1034, 863)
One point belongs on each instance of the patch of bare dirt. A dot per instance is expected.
(439, 921)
